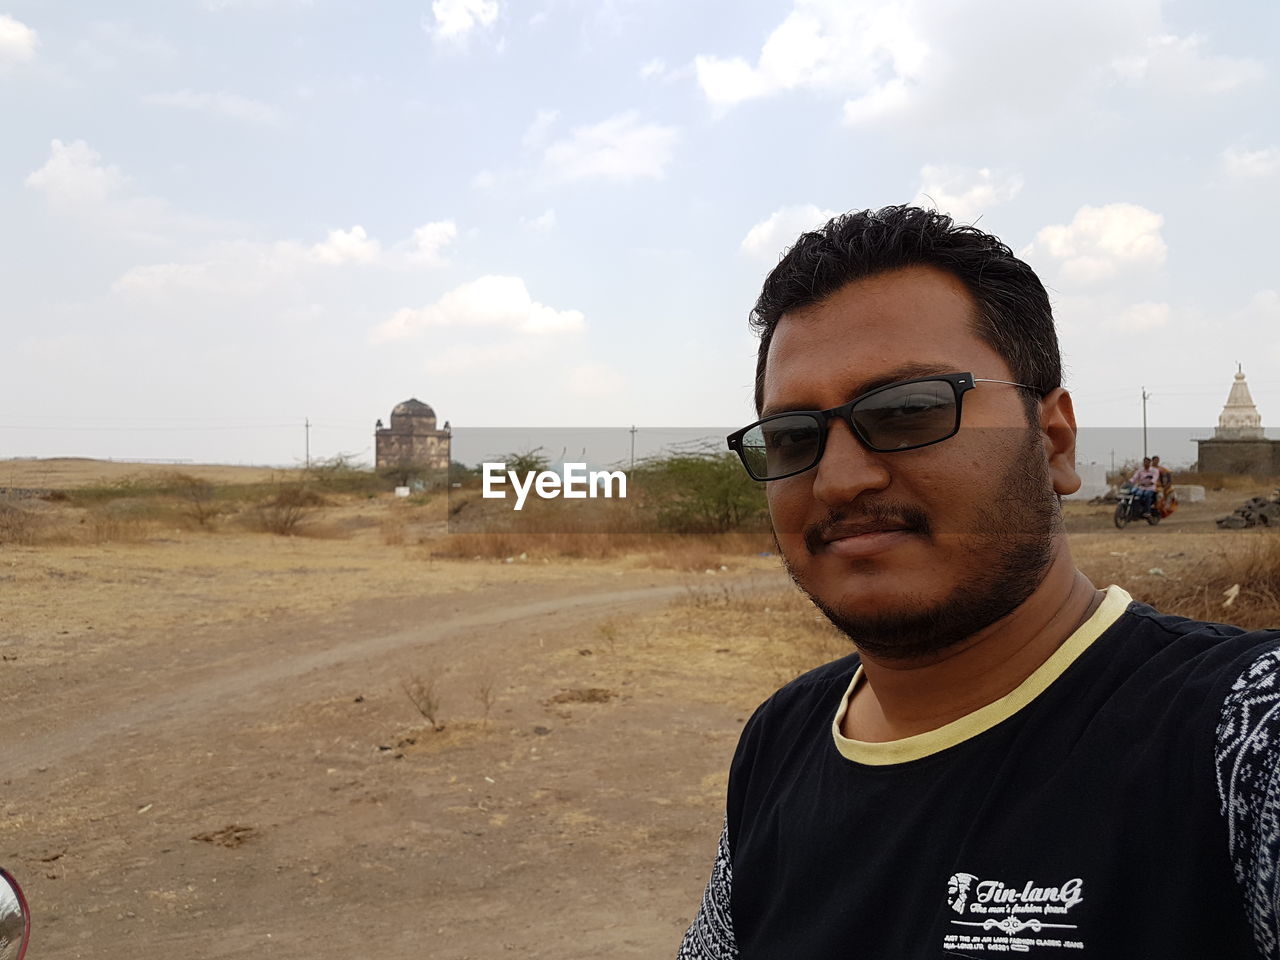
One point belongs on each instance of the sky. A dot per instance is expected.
(223, 219)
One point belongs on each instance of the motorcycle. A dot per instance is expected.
(1131, 508)
(15, 919)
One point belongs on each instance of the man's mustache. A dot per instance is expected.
(872, 515)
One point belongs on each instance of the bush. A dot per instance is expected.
(18, 526)
(704, 490)
(342, 473)
(196, 495)
(288, 505)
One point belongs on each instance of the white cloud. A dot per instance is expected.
(1179, 65)
(859, 48)
(74, 177)
(540, 129)
(429, 241)
(962, 61)
(882, 100)
(229, 105)
(156, 279)
(1101, 241)
(455, 19)
(18, 42)
(770, 237)
(657, 67)
(966, 194)
(1144, 317)
(545, 222)
(110, 44)
(484, 180)
(1251, 164)
(621, 149)
(254, 269)
(347, 246)
(76, 183)
(490, 301)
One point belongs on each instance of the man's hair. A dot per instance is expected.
(1013, 316)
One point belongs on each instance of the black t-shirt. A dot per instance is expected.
(1120, 803)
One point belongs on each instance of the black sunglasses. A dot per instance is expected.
(899, 416)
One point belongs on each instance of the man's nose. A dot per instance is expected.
(847, 468)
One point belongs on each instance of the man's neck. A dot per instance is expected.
(901, 699)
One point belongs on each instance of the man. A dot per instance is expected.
(1145, 479)
(1013, 761)
(1166, 499)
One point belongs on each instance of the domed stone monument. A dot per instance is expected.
(412, 440)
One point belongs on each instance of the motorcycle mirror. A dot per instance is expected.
(15, 919)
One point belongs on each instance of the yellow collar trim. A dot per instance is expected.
(957, 731)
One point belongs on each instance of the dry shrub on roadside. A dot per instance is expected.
(195, 495)
(486, 697)
(1251, 561)
(287, 506)
(18, 526)
(422, 689)
(122, 521)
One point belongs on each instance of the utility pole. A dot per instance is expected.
(633, 446)
(1145, 397)
(307, 425)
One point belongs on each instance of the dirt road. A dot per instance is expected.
(267, 789)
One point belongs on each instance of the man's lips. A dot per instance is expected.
(862, 537)
(843, 531)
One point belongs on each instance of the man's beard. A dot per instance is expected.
(1013, 545)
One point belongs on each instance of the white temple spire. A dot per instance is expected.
(1239, 419)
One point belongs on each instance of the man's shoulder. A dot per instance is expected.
(834, 673)
(1192, 636)
(816, 692)
(1202, 658)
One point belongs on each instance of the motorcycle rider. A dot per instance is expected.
(1166, 501)
(1145, 479)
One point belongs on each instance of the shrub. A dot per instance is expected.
(288, 505)
(703, 490)
(421, 689)
(18, 526)
(196, 496)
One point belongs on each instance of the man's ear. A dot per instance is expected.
(1058, 433)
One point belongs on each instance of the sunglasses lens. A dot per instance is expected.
(910, 415)
(782, 446)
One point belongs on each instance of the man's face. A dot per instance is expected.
(966, 526)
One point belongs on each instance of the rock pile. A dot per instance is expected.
(1254, 512)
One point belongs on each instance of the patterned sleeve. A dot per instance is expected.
(1247, 757)
(710, 936)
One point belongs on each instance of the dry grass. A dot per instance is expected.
(1203, 590)
(72, 473)
(1228, 481)
(664, 551)
(19, 526)
(119, 523)
(787, 634)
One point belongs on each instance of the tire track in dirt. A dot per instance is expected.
(241, 686)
